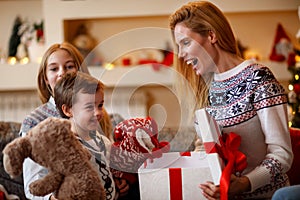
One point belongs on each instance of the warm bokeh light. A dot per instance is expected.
(291, 87)
(109, 66)
(24, 60)
(250, 54)
(12, 60)
(297, 58)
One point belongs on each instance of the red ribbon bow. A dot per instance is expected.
(235, 161)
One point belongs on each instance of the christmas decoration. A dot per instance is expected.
(85, 43)
(34, 40)
(15, 38)
(39, 28)
(293, 63)
(294, 90)
(282, 45)
(26, 41)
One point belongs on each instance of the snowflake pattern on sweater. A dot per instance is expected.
(38, 115)
(241, 96)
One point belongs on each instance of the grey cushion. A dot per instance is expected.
(8, 132)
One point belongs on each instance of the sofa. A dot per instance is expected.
(293, 173)
(8, 132)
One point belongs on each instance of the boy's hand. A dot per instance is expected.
(122, 186)
(53, 198)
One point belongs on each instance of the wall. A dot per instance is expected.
(134, 8)
(14, 106)
(253, 21)
(256, 30)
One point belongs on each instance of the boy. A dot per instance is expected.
(80, 97)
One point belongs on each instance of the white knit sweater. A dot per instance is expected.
(249, 101)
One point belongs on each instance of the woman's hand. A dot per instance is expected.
(122, 186)
(210, 191)
(237, 186)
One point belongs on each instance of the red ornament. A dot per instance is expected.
(291, 62)
(297, 88)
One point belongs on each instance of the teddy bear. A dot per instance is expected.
(136, 139)
(53, 145)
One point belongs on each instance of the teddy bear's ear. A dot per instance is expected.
(14, 155)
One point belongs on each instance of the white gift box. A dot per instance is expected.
(174, 176)
(208, 129)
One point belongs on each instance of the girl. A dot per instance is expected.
(58, 60)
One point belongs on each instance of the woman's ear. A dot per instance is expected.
(66, 110)
(212, 37)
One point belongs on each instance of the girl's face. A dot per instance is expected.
(87, 111)
(59, 63)
(195, 49)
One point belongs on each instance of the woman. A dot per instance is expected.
(243, 96)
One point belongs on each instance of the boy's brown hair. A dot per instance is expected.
(69, 85)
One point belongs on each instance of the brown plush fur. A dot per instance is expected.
(52, 145)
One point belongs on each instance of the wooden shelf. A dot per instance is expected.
(133, 76)
(24, 77)
(18, 77)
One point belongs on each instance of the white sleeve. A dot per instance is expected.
(277, 134)
(31, 172)
(277, 137)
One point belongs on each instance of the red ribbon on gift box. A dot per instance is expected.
(235, 161)
(175, 183)
(175, 178)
